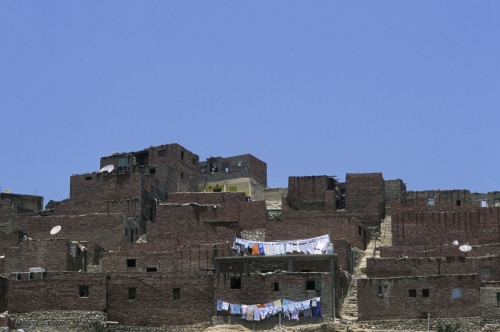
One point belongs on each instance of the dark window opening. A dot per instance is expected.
(126, 231)
(18, 276)
(359, 230)
(382, 290)
(425, 293)
(235, 283)
(88, 177)
(498, 297)
(176, 293)
(310, 285)
(305, 270)
(83, 291)
(131, 262)
(78, 251)
(459, 202)
(266, 270)
(214, 167)
(131, 293)
(182, 175)
(182, 154)
(275, 286)
(412, 293)
(152, 269)
(31, 275)
(44, 275)
(485, 271)
(152, 171)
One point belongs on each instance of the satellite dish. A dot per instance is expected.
(2, 256)
(455, 243)
(55, 230)
(107, 168)
(465, 247)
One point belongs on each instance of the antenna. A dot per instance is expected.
(107, 168)
(55, 230)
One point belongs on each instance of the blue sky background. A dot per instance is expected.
(407, 88)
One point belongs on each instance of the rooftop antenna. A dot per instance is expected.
(107, 168)
(55, 230)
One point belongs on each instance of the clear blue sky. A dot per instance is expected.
(407, 88)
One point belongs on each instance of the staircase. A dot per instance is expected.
(349, 313)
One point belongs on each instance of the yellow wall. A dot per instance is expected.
(236, 185)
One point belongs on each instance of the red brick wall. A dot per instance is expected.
(154, 304)
(439, 251)
(395, 267)
(398, 305)
(8, 240)
(473, 225)
(364, 189)
(59, 291)
(307, 192)
(441, 198)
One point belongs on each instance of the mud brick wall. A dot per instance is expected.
(8, 240)
(59, 291)
(342, 249)
(307, 193)
(52, 255)
(154, 303)
(189, 260)
(492, 198)
(397, 304)
(475, 226)
(269, 194)
(103, 186)
(441, 198)
(395, 267)
(489, 302)
(64, 320)
(394, 190)
(104, 229)
(186, 225)
(362, 190)
(243, 166)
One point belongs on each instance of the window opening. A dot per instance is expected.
(359, 230)
(412, 293)
(313, 285)
(235, 283)
(485, 271)
(18, 276)
(131, 262)
(152, 269)
(498, 297)
(425, 292)
(456, 293)
(176, 294)
(88, 177)
(305, 270)
(152, 171)
(182, 175)
(132, 293)
(182, 154)
(266, 270)
(275, 286)
(44, 275)
(83, 291)
(497, 202)
(459, 202)
(484, 203)
(31, 275)
(226, 169)
(430, 201)
(382, 290)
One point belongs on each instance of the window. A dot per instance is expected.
(430, 201)
(412, 293)
(18, 276)
(152, 269)
(152, 171)
(498, 297)
(382, 290)
(204, 169)
(425, 292)
(131, 262)
(484, 203)
(226, 169)
(31, 275)
(176, 294)
(233, 189)
(131, 293)
(359, 230)
(456, 293)
(83, 291)
(497, 202)
(182, 175)
(485, 271)
(275, 286)
(459, 202)
(313, 285)
(235, 283)
(305, 270)
(182, 154)
(122, 161)
(88, 176)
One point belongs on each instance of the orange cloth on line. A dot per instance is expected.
(255, 249)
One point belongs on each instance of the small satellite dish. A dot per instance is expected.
(2, 256)
(455, 243)
(465, 247)
(107, 168)
(55, 230)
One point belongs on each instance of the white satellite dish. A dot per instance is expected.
(107, 168)
(55, 230)
(465, 247)
(455, 243)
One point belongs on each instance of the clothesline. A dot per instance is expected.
(290, 309)
(313, 246)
